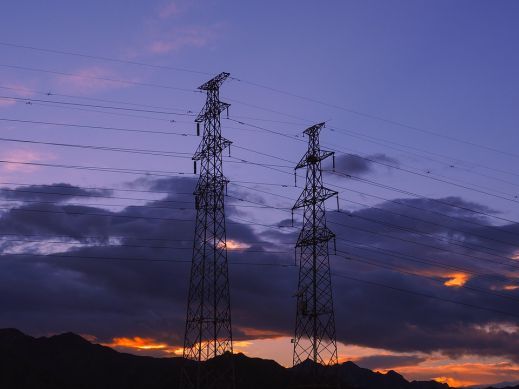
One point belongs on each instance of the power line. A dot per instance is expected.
(377, 162)
(115, 80)
(75, 125)
(413, 274)
(111, 107)
(131, 259)
(379, 118)
(387, 165)
(388, 143)
(103, 58)
(139, 238)
(157, 173)
(112, 215)
(410, 241)
(405, 192)
(291, 265)
(413, 231)
(256, 84)
(88, 98)
(426, 295)
(183, 111)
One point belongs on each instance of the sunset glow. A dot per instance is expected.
(287, 182)
(137, 343)
(456, 279)
(235, 245)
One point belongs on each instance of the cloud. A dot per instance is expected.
(144, 346)
(464, 373)
(92, 79)
(59, 192)
(113, 290)
(184, 37)
(18, 90)
(355, 164)
(23, 156)
(6, 102)
(389, 361)
(171, 9)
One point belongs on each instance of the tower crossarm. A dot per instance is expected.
(312, 157)
(308, 237)
(210, 110)
(215, 83)
(309, 196)
(210, 147)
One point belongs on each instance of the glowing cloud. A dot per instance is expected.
(453, 382)
(234, 245)
(137, 343)
(473, 370)
(456, 279)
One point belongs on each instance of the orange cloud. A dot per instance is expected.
(453, 382)
(137, 343)
(234, 245)
(456, 279)
(260, 333)
(476, 372)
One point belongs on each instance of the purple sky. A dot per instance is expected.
(427, 91)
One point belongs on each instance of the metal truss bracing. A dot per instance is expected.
(208, 332)
(314, 338)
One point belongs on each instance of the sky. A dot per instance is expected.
(97, 103)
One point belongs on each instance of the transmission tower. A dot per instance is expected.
(208, 323)
(315, 321)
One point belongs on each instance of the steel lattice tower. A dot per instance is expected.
(315, 321)
(208, 323)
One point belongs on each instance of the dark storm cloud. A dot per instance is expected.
(58, 192)
(355, 164)
(122, 293)
(388, 361)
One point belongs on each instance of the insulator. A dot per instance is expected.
(194, 167)
(338, 209)
(295, 178)
(197, 128)
(333, 162)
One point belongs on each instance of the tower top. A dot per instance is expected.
(214, 83)
(315, 129)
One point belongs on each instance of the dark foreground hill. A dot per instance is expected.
(68, 361)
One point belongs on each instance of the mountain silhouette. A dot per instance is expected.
(68, 361)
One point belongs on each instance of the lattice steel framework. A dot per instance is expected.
(208, 331)
(315, 321)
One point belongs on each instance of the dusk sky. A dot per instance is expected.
(97, 108)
